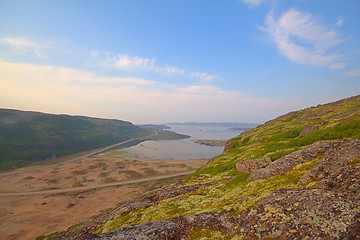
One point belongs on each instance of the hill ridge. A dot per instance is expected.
(28, 136)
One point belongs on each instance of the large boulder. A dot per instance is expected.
(347, 152)
(312, 127)
(331, 154)
(302, 214)
(248, 166)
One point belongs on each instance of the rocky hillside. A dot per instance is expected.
(294, 177)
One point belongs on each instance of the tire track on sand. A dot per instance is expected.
(86, 188)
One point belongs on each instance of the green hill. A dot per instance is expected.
(294, 177)
(290, 132)
(28, 137)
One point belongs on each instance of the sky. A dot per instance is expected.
(158, 61)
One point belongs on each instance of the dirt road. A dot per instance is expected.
(80, 189)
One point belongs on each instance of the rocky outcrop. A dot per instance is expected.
(302, 213)
(175, 228)
(312, 127)
(331, 154)
(345, 180)
(249, 166)
(335, 158)
(331, 210)
(228, 146)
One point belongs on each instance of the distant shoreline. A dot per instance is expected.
(239, 129)
(213, 143)
(217, 124)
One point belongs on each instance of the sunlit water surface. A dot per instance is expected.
(183, 149)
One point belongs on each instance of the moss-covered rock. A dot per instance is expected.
(249, 166)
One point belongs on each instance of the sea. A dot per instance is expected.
(183, 149)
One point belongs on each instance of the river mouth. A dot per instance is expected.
(183, 149)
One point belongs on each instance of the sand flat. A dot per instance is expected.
(30, 216)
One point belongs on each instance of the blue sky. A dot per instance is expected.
(155, 61)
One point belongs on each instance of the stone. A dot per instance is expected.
(248, 166)
(312, 127)
(335, 154)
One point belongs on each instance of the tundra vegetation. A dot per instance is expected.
(310, 188)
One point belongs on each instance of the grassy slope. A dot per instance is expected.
(281, 136)
(26, 137)
(274, 139)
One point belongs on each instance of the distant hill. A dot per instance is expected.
(217, 124)
(28, 137)
(153, 126)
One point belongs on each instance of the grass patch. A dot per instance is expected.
(290, 118)
(245, 140)
(79, 172)
(354, 162)
(215, 169)
(109, 180)
(77, 183)
(278, 154)
(104, 174)
(164, 165)
(97, 165)
(149, 171)
(208, 233)
(131, 173)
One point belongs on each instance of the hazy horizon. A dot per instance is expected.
(243, 61)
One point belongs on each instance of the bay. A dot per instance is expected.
(183, 149)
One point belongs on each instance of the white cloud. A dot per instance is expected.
(94, 53)
(126, 62)
(170, 70)
(340, 22)
(338, 66)
(301, 38)
(132, 63)
(28, 45)
(254, 3)
(257, 3)
(202, 90)
(71, 91)
(204, 77)
(354, 73)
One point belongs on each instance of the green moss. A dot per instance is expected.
(208, 233)
(238, 179)
(124, 219)
(290, 118)
(354, 162)
(229, 196)
(285, 134)
(245, 140)
(278, 154)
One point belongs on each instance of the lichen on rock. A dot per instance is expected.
(248, 166)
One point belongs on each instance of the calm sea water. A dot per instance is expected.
(205, 132)
(183, 149)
